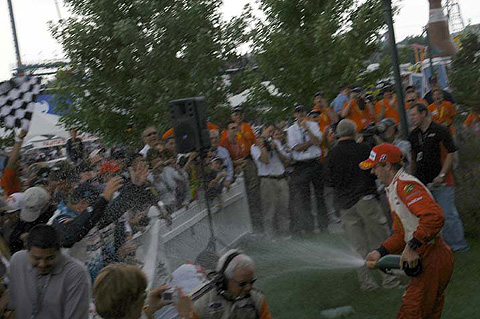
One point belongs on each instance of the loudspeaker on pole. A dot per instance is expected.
(189, 121)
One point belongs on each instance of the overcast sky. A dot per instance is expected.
(36, 43)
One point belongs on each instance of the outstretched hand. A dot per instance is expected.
(156, 301)
(22, 134)
(112, 186)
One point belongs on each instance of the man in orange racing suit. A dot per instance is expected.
(418, 220)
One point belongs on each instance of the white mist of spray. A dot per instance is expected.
(293, 255)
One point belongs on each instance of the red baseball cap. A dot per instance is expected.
(383, 153)
(110, 167)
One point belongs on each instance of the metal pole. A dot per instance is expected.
(14, 31)
(207, 201)
(396, 70)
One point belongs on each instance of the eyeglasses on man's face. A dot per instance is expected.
(242, 284)
(150, 134)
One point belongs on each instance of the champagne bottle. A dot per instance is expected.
(389, 262)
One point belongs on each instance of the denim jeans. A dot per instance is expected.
(453, 228)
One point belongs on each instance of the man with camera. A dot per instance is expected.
(304, 139)
(357, 109)
(231, 294)
(387, 107)
(271, 159)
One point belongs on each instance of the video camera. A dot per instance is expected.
(373, 129)
(268, 144)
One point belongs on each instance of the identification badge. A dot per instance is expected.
(419, 156)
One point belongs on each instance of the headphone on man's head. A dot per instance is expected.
(218, 280)
(220, 277)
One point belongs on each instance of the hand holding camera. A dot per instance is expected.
(166, 295)
(156, 300)
(303, 124)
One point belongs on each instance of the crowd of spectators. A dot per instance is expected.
(299, 178)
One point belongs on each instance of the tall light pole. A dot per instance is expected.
(387, 4)
(14, 31)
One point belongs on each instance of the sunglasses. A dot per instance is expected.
(150, 134)
(410, 101)
(242, 284)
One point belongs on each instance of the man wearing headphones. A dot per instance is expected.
(232, 295)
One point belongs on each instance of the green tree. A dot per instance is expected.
(465, 73)
(304, 46)
(128, 58)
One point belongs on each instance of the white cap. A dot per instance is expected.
(14, 202)
(33, 201)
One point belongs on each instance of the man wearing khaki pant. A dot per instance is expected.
(270, 158)
(355, 195)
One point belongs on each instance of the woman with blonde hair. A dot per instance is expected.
(119, 292)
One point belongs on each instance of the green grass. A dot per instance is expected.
(293, 292)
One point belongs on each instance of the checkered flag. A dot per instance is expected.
(17, 101)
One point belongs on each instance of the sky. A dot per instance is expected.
(36, 43)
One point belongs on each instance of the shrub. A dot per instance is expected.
(468, 187)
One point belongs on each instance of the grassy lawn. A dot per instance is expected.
(296, 288)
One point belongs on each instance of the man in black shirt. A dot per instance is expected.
(432, 157)
(355, 195)
(433, 83)
(74, 147)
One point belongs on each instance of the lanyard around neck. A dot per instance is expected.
(41, 292)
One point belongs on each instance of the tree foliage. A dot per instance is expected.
(304, 46)
(128, 58)
(465, 72)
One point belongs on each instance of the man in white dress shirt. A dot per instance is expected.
(271, 158)
(150, 137)
(304, 139)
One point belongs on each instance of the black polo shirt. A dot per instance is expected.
(426, 150)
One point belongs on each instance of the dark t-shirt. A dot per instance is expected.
(446, 96)
(426, 150)
(215, 190)
(74, 149)
(349, 182)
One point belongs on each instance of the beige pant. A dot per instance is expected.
(252, 186)
(275, 198)
(366, 227)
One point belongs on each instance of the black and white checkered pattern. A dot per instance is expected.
(17, 101)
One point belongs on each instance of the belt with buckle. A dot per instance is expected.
(275, 176)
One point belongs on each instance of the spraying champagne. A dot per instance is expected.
(389, 262)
